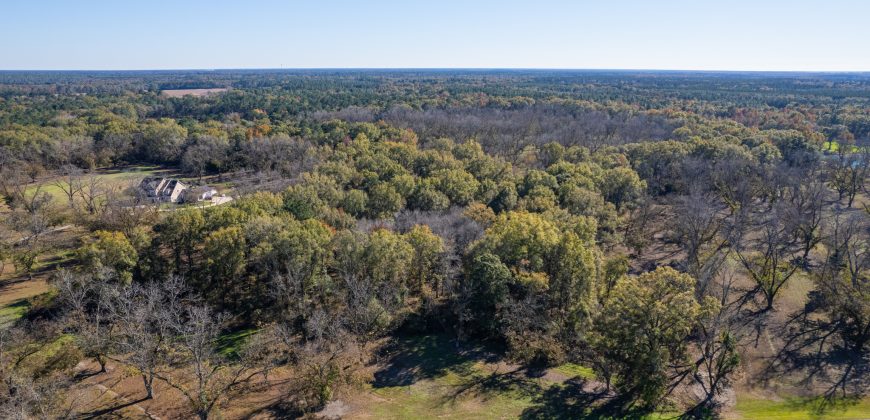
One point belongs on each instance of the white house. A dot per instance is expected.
(163, 189)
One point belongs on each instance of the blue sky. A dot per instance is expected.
(805, 35)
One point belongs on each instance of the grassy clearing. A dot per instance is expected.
(428, 377)
(230, 344)
(13, 311)
(450, 395)
(59, 354)
(794, 295)
(54, 259)
(127, 173)
(425, 377)
(800, 408)
(418, 403)
(18, 295)
(575, 370)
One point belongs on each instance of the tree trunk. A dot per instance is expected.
(149, 386)
(769, 297)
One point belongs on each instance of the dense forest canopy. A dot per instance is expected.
(679, 237)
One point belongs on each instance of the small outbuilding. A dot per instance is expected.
(199, 193)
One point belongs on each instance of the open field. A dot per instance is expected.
(178, 93)
(119, 177)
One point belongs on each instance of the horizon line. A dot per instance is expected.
(575, 69)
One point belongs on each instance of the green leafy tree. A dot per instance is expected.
(456, 184)
(162, 140)
(355, 202)
(505, 199)
(182, 232)
(388, 258)
(427, 197)
(553, 279)
(110, 250)
(384, 201)
(483, 292)
(537, 178)
(224, 253)
(538, 199)
(622, 187)
(291, 255)
(522, 240)
(643, 331)
(303, 202)
(573, 285)
(426, 266)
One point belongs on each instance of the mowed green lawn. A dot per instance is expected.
(749, 407)
(425, 377)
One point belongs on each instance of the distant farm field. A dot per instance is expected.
(178, 93)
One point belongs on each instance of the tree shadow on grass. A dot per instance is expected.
(85, 374)
(517, 382)
(111, 411)
(19, 306)
(279, 410)
(283, 406)
(408, 360)
(823, 405)
(576, 399)
(816, 353)
(414, 358)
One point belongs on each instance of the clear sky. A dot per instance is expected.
(823, 35)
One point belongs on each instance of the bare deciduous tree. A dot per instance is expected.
(767, 250)
(716, 345)
(90, 303)
(70, 183)
(143, 314)
(203, 375)
(828, 341)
